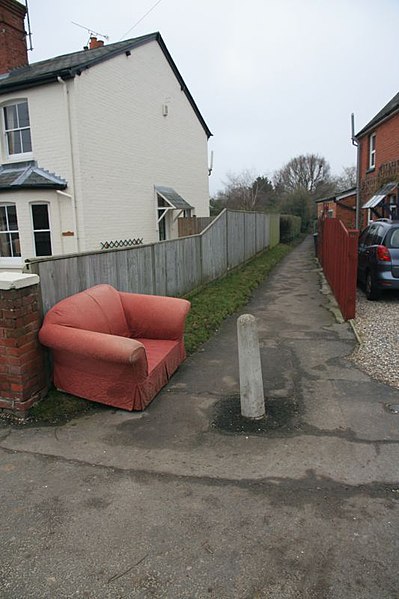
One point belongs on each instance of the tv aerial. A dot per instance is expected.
(90, 31)
(29, 32)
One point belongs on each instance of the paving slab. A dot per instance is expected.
(185, 500)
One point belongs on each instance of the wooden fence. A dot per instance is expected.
(337, 253)
(193, 225)
(172, 267)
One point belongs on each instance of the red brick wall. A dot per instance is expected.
(325, 206)
(348, 217)
(386, 156)
(13, 52)
(22, 370)
(386, 145)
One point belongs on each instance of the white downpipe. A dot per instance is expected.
(73, 196)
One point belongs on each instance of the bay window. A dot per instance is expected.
(41, 229)
(9, 233)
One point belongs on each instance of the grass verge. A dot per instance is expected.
(219, 299)
(210, 305)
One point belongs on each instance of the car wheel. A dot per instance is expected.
(372, 293)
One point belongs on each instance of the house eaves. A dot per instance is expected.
(341, 195)
(345, 194)
(68, 66)
(387, 112)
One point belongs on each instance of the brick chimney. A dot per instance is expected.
(13, 50)
(94, 42)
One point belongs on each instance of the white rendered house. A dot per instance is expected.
(97, 146)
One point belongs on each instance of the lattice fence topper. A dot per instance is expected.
(121, 243)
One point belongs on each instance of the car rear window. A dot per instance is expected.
(393, 241)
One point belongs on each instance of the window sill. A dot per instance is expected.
(18, 158)
(11, 263)
(371, 169)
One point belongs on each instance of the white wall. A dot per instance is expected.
(23, 201)
(127, 146)
(50, 149)
(122, 147)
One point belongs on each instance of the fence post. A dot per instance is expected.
(22, 370)
(351, 273)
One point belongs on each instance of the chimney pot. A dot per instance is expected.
(94, 42)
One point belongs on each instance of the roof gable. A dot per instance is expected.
(68, 66)
(390, 108)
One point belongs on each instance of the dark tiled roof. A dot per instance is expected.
(67, 64)
(173, 197)
(338, 194)
(70, 65)
(392, 106)
(27, 175)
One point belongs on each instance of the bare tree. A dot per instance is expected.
(308, 172)
(246, 191)
(347, 178)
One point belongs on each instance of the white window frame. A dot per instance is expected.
(11, 261)
(20, 155)
(372, 152)
(49, 230)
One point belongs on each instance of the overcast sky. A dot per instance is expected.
(272, 78)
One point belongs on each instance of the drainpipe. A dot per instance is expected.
(75, 224)
(355, 142)
(73, 196)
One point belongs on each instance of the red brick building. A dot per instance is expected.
(341, 205)
(378, 144)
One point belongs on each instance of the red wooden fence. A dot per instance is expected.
(337, 253)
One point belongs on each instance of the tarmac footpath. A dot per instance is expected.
(187, 500)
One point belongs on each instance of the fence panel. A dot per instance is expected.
(262, 226)
(235, 239)
(337, 253)
(193, 225)
(172, 267)
(214, 249)
(138, 277)
(249, 235)
(274, 229)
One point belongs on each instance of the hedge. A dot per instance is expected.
(290, 227)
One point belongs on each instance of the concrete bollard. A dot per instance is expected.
(251, 382)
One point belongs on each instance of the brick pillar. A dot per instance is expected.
(22, 369)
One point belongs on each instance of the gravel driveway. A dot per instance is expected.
(377, 324)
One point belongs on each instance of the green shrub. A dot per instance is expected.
(290, 227)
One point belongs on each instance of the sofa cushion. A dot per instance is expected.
(96, 309)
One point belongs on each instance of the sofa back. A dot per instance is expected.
(97, 309)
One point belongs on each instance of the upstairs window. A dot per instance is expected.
(41, 229)
(9, 234)
(17, 129)
(372, 151)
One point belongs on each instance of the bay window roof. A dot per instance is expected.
(28, 175)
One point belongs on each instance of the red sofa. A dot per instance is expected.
(115, 348)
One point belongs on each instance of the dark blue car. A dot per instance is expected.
(378, 257)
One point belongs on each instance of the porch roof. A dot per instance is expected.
(380, 195)
(173, 198)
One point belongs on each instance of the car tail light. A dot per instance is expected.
(383, 254)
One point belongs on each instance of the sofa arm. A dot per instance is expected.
(90, 344)
(155, 316)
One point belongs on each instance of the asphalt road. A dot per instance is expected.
(173, 503)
